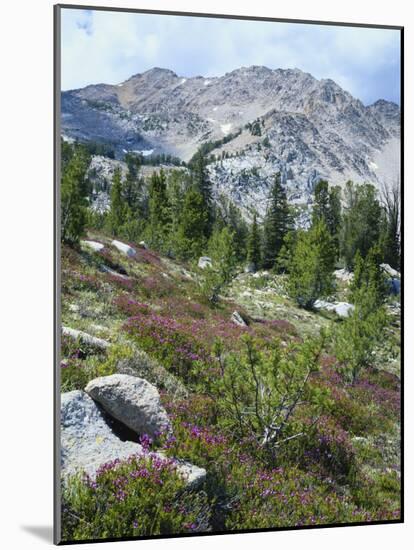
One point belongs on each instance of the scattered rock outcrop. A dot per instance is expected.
(124, 248)
(131, 400)
(85, 338)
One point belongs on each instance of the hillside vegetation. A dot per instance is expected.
(275, 350)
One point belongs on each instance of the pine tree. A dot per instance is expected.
(361, 221)
(311, 265)
(254, 245)
(74, 193)
(159, 221)
(204, 186)
(368, 278)
(222, 252)
(132, 191)
(277, 223)
(327, 207)
(191, 231)
(357, 336)
(321, 202)
(118, 209)
(392, 225)
(228, 214)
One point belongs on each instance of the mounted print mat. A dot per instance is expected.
(228, 246)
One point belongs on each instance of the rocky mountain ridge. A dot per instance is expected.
(272, 121)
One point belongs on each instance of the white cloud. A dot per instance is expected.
(109, 47)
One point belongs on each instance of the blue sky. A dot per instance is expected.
(100, 46)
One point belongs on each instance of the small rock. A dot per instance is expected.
(94, 245)
(204, 262)
(194, 475)
(124, 248)
(238, 319)
(250, 268)
(322, 304)
(340, 308)
(344, 275)
(111, 271)
(343, 309)
(143, 245)
(85, 337)
(131, 400)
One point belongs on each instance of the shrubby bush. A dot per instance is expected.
(263, 389)
(140, 496)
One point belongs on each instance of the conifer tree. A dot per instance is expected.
(118, 209)
(191, 231)
(277, 223)
(311, 265)
(368, 278)
(222, 252)
(203, 184)
(357, 336)
(159, 220)
(321, 202)
(327, 207)
(361, 221)
(74, 193)
(254, 245)
(392, 225)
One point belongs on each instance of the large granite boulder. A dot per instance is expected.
(89, 440)
(131, 400)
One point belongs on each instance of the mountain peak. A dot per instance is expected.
(160, 71)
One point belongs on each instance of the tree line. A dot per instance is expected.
(176, 214)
